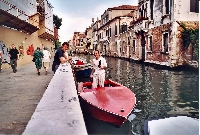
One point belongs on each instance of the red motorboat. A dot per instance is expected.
(112, 103)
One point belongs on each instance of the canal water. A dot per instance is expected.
(160, 94)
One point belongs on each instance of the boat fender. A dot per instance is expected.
(122, 110)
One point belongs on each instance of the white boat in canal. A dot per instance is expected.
(180, 125)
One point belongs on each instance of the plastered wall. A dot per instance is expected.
(23, 42)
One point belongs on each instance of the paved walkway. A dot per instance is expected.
(19, 95)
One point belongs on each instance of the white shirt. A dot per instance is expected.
(66, 54)
(96, 63)
(47, 56)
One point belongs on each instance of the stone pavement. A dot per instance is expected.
(19, 95)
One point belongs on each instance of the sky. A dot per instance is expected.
(77, 14)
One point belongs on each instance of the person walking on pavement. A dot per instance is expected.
(60, 57)
(46, 59)
(1, 59)
(13, 54)
(38, 55)
(98, 70)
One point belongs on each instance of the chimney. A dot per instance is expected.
(97, 18)
(92, 19)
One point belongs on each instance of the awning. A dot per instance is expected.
(12, 21)
(48, 36)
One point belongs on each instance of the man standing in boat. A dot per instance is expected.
(98, 70)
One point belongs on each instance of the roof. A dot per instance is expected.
(130, 14)
(124, 7)
(82, 35)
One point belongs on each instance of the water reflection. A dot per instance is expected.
(159, 93)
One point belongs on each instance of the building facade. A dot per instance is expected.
(95, 26)
(150, 32)
(28, 24)
(158, 31)
(79, 42)
(114, 21)
(89, 41)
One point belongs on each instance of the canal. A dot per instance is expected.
(160, 93)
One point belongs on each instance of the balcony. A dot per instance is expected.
(95, 42)
(140, 24)
(46, 33)
(43, 8)
(48, 36)
(14, 22)
(105, 39)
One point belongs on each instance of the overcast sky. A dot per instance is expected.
(77, 14)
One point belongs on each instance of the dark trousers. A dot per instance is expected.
(56, 67)
(13, 64)
(0, 63)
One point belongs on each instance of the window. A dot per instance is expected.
(128, 40)
(109, 32)
(194, 6)
(106, 32)
(141, 12)
(167, 6)
(134, 43)
(165, 42)
(151, 7)
(123, 28)
(107, 18)
(150, 44)
(115, 29)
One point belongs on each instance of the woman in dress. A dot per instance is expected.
(38, 55)
(46, 59)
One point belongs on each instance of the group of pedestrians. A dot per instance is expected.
(42, 58)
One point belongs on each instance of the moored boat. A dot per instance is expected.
(83, 70)
(81, 67)
(112, 103)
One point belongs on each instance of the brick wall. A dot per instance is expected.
(157, 54)
(186, 54)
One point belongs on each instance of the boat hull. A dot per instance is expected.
(83, 71)
(110, 104)
(102, 115)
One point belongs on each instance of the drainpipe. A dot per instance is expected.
(119, 25)
(119, 41)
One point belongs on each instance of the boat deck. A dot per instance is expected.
(104, 97)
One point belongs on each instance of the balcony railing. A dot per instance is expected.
(14, 22)
(140, 24)
(139, 20)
